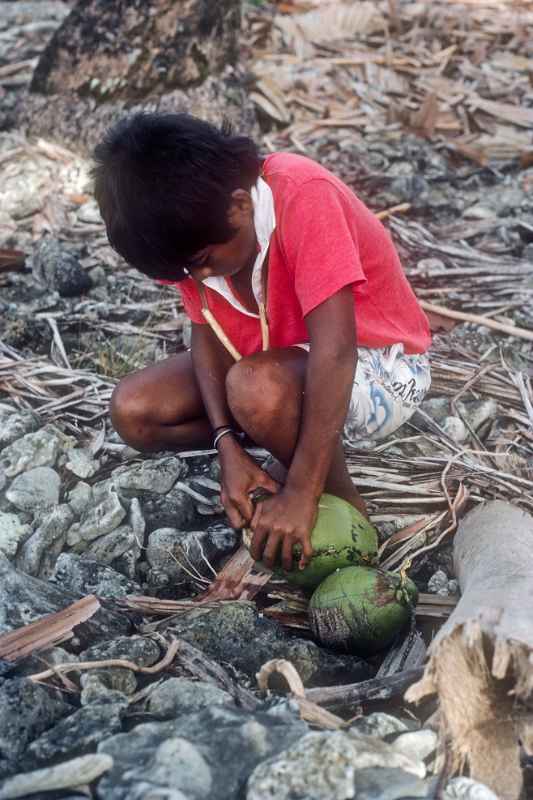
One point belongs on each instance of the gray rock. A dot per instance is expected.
(78, 772)
(39, 449)
(55, 267)
(178, 764)
(107, 548)
(467, 789)
(177, 696)
(122, 547)
(140, 649)
(107, 686)
(175, 509)
(438, 582)
(26, 710)
(147, 791)
(46, 543)
(98, 275)
(384, 783)
(179, 556)
(411, 188)
(379, 724)
(90, 213)
(81, 463)
(79, 498)
(231, 741)
(154, 475)
(100, 685)
(441, 585)
(416, 744)
(43, 658)
(323, 766)
(101, 517)
(76, 735)
(127, 563)
(12, 533)
(24, 599)
(235, 633)
(82, 575)
(14, 424)
(35, 490)
(478, 412)
(192, 42)
(478, 211)
(455, 429)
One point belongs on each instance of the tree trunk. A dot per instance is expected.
(481, 661)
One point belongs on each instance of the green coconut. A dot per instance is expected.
(361, 609)
(341, 537)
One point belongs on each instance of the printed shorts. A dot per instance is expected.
(388, 387)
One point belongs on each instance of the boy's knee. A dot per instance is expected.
(128, 409)
(254, 388)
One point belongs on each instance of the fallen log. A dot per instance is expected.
(364, 691)
(481, 661)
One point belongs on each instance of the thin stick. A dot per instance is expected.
(400, 208)
(511, 330)
(167, 659)
(58, 341)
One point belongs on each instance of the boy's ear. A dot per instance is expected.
(241, 208)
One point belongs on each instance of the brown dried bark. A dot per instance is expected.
(50, 630)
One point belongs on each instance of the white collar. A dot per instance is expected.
(264, 224)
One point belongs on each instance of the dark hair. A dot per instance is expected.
(163, 183)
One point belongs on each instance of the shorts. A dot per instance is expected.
(388, 387)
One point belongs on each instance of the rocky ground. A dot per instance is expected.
(83, 514)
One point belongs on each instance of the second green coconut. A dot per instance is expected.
(361, 609)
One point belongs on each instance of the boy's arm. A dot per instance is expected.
(211, 362)
(240, 473)
(289, 517)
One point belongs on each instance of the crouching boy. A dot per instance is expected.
(305, 331)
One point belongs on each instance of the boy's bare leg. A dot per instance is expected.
(265, 395)
(160, 407)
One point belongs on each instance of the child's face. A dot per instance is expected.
(226, 260)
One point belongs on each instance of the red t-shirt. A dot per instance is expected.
(325, 238)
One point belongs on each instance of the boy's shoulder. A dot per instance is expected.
(295, 169)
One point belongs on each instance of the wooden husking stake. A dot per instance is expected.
(481, 661)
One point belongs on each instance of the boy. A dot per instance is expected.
(304, 327)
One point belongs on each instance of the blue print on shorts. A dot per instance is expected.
(388, 387)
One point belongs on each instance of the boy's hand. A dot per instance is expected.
(240, 477)
(279, 523)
